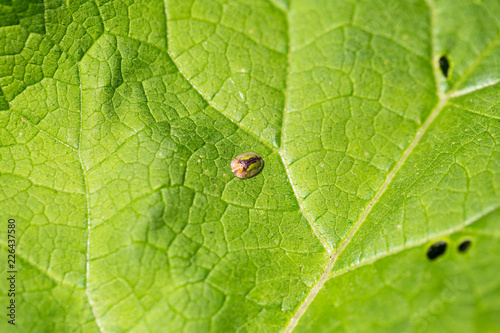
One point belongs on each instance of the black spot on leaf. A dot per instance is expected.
(436, 250)
(444, 64)
(464, 246)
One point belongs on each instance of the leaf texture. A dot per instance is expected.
(119, 120)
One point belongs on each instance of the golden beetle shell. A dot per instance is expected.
(247, 165)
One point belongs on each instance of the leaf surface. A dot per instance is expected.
(119, 120)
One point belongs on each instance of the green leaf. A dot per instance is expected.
(119, 120)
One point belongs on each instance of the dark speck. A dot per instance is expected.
(464, 246)
(436, 250)
(444, 65)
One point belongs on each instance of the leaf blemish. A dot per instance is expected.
(436, 250)
(444, 64)
(464, 246)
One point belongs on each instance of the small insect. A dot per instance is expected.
(247, 165)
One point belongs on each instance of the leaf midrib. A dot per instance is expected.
(87, 201)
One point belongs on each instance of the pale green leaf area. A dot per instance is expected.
(119, 120)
